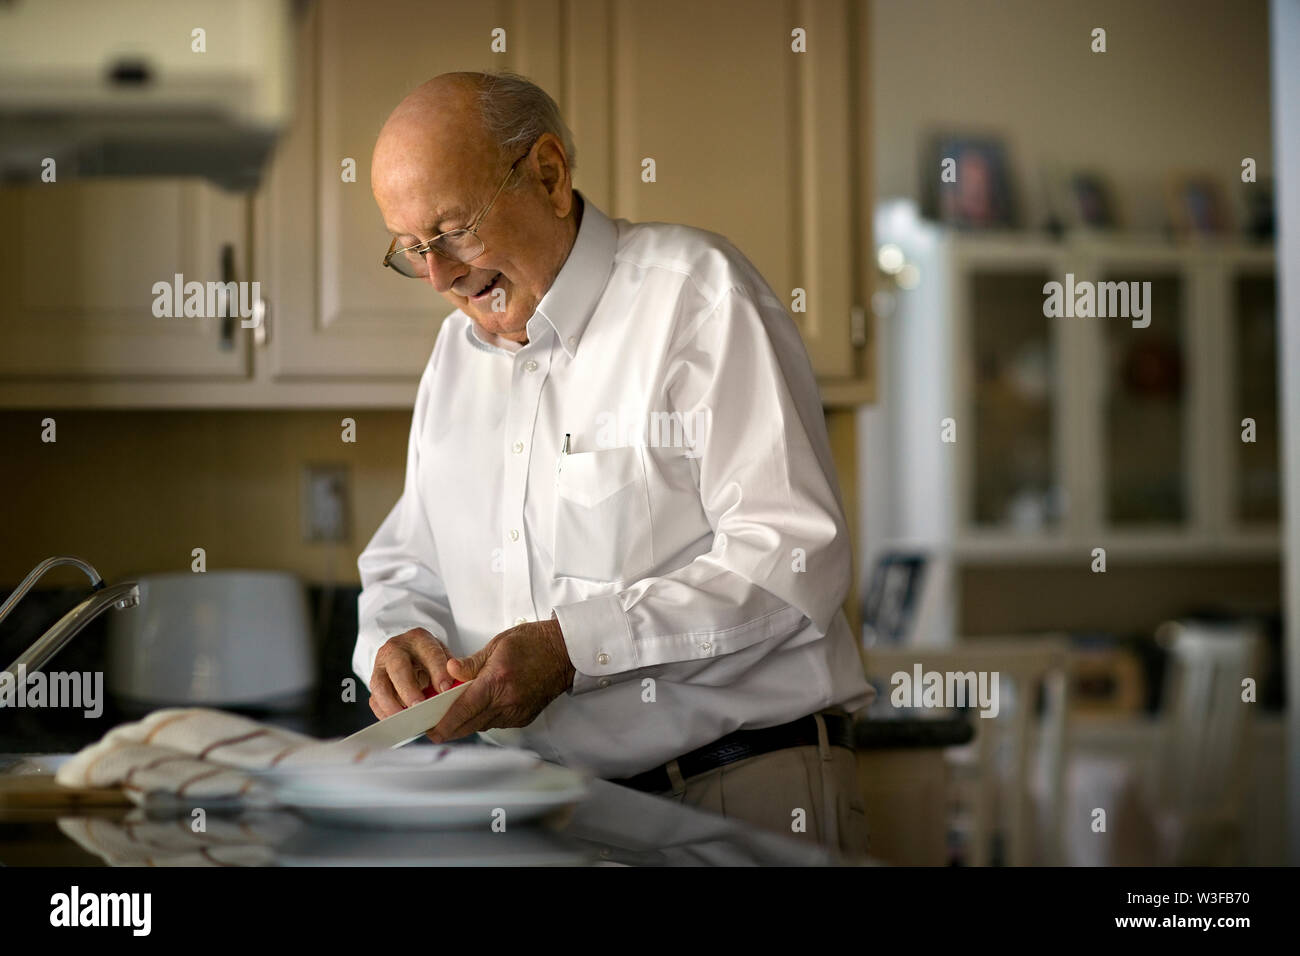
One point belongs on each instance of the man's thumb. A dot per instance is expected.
(464, 668)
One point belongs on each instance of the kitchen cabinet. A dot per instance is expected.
(1019, 436)
(1251, 484)
(765, 158)
(334, 311)
(749, 138)
(79, 261)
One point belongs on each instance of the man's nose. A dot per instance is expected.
(443, 272)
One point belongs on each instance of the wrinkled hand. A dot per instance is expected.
(404, 666)
(515, 675)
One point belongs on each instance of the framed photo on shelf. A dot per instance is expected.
(1091, 204)
(1077, 199)
(1257, 210)
(893, 599)
(1196, 206)
(966, 182)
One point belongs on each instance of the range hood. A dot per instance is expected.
(143, 88)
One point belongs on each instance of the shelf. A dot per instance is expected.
(1129, 547)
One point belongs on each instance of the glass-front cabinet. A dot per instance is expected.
(1147, 463)
(1013, 429)
(1254, 478)
(1147, 419)
(1014, 389)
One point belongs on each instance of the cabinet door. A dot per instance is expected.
(749, 139)
(1255, 476)
(1011, 366)
(1148, 407)
(79, 261)
(333, 309)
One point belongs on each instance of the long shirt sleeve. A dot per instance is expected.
(401, 584)
(780, 554)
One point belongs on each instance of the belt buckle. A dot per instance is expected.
(724, 753)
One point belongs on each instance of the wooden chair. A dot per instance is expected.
(998, 769)
(1205, 741)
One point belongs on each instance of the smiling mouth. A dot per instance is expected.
(487, 288)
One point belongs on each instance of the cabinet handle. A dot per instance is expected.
(227, 342)
(858, 327)
(261, 318)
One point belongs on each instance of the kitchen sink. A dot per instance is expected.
(16, 765)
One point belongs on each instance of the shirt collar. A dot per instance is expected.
(572, 297)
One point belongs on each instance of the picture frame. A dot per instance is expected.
(1196, 206)
(1258, 210)
(982, 196)
(893, 599)
(1091, 201)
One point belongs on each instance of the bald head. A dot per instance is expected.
(439, 160)
(437, 128)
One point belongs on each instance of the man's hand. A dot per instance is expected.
(404, 666)
(515, 675)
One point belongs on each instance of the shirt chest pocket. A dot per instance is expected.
(602, 516)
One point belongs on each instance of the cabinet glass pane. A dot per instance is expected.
(1014, 376)
(1255, 316)
(1145, 393)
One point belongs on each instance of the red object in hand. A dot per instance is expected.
(432, 691)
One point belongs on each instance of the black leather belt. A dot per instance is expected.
(741, 744)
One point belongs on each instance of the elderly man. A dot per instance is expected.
(620, 517)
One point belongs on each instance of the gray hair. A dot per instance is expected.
(516, 111)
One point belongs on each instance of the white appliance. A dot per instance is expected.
(139, 87)
(215, 639)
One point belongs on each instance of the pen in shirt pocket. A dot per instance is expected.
(564, 450)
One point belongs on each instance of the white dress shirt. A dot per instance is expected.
(691, 543)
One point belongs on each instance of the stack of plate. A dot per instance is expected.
(459, 786)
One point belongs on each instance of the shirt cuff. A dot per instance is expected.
(599, 641)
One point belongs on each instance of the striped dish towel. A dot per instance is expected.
(201, 754)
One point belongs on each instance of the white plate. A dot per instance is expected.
(523, 797)
(404, 726)
(413, 770)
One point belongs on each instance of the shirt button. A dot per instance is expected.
(514, 534)
(519, 446)
(530, 366)
(602, 658)
(520, 620)
(572, 341)
(604, 682)
(705, 646)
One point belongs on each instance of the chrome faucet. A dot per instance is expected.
(102, 597)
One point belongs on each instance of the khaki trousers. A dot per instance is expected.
(769, 790)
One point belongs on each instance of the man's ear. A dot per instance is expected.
(553, 166)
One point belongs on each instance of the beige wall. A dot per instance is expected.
(1187, 79)
(133, 492)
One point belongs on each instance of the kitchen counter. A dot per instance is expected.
(612, 826)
